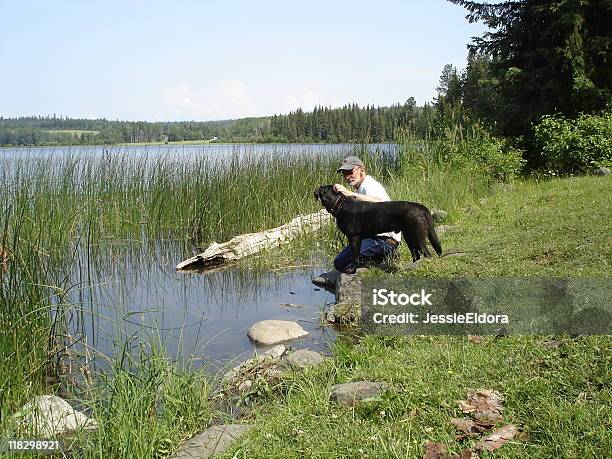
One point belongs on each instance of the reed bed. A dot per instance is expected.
(62, 213)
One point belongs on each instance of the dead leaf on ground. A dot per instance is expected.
(469, 427)
(435, 451)
(483, 404)
(438, 451)
(498, 438)
(476, 339)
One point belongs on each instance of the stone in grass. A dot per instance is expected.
(438, 215)
(303, 358)
(212, 441)
(48, 416)
(601, 171)
(348, 394)
(275, 331)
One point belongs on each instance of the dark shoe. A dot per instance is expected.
(327, 279)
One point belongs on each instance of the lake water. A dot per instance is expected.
(204, 318)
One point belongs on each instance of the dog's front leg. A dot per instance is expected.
(355, 243)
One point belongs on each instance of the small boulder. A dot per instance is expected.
(330, 315)
(212, 441)
(275, 331)
(49, 416)
(303, 358)
(348, 394)
(275, 352)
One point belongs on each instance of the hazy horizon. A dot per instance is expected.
(199, 61)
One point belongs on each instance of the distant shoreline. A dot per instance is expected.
(184, 142)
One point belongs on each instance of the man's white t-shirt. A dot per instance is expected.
(370, 187)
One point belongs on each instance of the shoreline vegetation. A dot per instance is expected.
(508, 150)
(149, 391)
(348, 124)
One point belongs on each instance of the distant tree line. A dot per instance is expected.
(350, 123)
(38, 130)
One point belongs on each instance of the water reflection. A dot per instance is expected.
(131, 293)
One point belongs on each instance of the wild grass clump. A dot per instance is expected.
(145, 406)
(26, 341)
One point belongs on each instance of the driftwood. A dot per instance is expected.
(248, 244)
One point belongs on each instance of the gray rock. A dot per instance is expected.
(48, 416)
(275, 331)
(303, 358)
(348, 394)
(275, 352)
(330, 315)
(601, 171)
(212, 441)
(348, 289)
(438, 215)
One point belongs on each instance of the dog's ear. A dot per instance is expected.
(317, 194)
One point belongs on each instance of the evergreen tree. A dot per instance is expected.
(549, 56)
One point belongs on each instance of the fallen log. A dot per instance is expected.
(241, 246)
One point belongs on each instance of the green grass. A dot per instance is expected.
(146, 405)
(560, 396)
(561, 227)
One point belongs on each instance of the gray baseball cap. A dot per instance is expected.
(349, 163)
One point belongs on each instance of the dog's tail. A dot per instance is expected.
(433, 239)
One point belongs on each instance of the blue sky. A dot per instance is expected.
(204, 60)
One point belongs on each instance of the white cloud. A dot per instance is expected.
(222, 99)
(306, 99)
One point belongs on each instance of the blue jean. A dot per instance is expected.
(375, 249)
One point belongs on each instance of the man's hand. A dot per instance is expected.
(342, 190)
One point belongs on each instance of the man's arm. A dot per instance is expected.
(351, 194)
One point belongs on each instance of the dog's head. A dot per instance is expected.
(326, 194)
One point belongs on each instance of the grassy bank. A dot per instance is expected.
(557, 390)
(55, 210)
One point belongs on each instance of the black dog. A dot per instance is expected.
(359, 220)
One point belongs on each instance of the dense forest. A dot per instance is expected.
(350, 123)
(539, 81)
